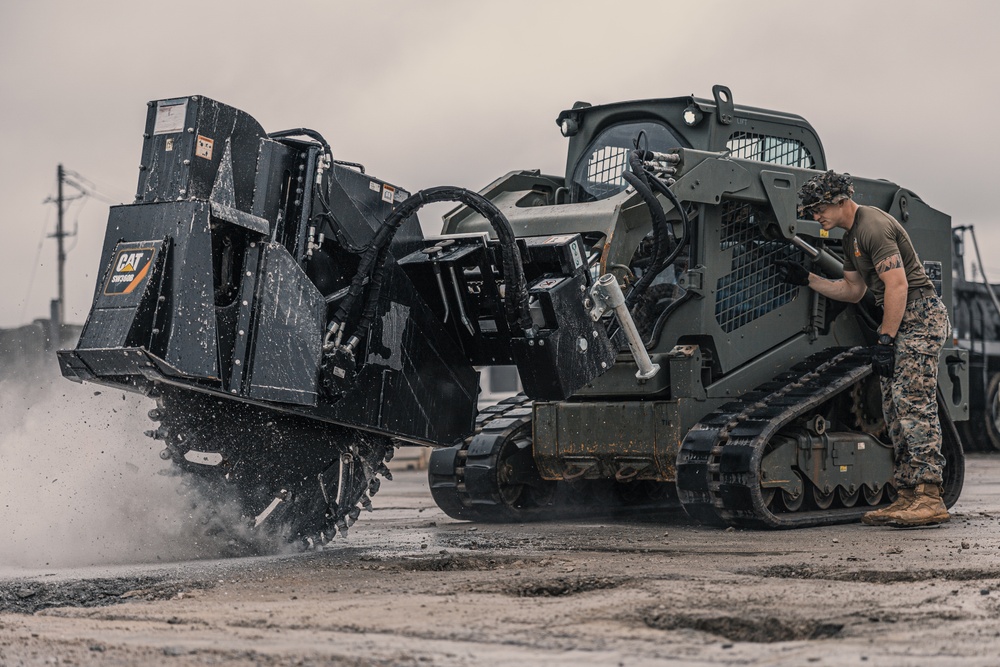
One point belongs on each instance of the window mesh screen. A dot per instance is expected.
(752, 288)
(764, 148)
(605, 167)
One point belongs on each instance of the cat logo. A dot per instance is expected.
(131, 267)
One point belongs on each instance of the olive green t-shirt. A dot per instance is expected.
(874, 236)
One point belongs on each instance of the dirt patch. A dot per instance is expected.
(29, 596)
(449, 563)
(766, 629)
(562, 586)
(872, 576)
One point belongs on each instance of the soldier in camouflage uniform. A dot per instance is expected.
(880, 257)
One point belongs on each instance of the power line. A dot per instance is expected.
(86, 188)
(94, 189)
(34, 267)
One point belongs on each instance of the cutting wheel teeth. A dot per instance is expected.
(310, 518)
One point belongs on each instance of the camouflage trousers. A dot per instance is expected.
(909, 397)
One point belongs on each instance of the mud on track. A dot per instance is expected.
(412, 587)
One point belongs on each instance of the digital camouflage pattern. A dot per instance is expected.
(909, 398)
(826, 188)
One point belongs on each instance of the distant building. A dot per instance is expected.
(32, 344)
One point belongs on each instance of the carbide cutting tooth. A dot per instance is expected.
(382, 470)
(354, 513)
(157, 434)
(156, 414)
(366, 502)
(342, 527)
(389, 454)
(374, 484)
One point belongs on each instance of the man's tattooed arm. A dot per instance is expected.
(889, 263)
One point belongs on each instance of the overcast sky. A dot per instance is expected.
(430, 93)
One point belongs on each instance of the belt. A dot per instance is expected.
(920, 293)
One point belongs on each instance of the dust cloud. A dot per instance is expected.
(81, 485)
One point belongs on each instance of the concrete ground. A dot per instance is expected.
(410, 586)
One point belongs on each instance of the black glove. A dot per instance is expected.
(884, 356)
(792, 272)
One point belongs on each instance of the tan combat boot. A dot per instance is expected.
(927, 509)
(881, 517)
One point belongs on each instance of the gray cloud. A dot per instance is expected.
(461, 92)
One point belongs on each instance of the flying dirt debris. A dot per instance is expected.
(293, 323)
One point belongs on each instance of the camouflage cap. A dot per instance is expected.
(828, 188)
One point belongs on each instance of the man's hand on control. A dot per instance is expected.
(792, 272)
(884, 356)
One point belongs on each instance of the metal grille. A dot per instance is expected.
(753, 288)
(604, 170)
(775, 150)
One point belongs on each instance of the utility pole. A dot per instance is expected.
(85, 188)
(57, 306)
(60, 307)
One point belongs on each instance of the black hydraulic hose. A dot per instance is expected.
(357, 165)
(304, 132)
(654, 337)
(659, 218)
(372, 261)
(685, 222)
(639, 180)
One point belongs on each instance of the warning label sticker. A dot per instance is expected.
(204, 147)
(170, 116)
(387, 193)
(131, 267)
(574, 249)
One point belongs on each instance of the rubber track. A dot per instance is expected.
(462, 478)
(718, 465)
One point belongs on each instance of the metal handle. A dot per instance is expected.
(608, 294)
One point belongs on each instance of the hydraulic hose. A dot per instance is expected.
(639, 180)
(372, 262)
(685, 221)
(654, 338)
(662, 187)
(642, 181)
(303, 132)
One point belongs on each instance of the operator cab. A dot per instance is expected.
(601, 137)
